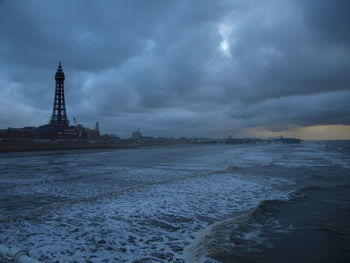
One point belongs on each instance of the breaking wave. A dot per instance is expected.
(232, 238)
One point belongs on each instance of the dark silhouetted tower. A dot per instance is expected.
(59, 113)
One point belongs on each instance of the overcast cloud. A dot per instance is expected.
(177, 68)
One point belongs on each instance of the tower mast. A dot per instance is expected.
(59, 113)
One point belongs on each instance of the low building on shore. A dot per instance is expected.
(49, 132)
(109, 138)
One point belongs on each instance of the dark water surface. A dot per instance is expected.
(209, 203)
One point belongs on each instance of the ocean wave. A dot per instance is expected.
(319, 187)
(154, 218)
(333, 229)
(306, 190)
(313, 187)
(90, 194)
(152, 222)
(234, 237)
(338, 161)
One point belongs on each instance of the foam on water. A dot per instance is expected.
(153, 223)
(111, 209)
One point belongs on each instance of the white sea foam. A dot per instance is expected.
(154, 222)
(117, 211)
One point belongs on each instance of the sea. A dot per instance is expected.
(181, 203)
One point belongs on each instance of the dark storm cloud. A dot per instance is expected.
(329, 19)
(177, 67)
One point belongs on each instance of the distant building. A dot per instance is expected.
(90, 135)
(19, 134)
(110, 138)
(136, 136)
(138, 139)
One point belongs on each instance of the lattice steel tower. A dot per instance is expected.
(59, 114)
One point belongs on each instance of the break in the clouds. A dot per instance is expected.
(179, 68)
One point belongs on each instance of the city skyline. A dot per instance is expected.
(180, 68)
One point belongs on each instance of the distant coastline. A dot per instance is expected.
(32, 146)
(27, 146)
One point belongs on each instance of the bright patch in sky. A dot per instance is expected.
(317, 132)
(225, 31)
(225, 48)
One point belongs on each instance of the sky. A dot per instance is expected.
(200, 68)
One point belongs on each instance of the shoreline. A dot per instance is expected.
(29, 146)
(6, 147)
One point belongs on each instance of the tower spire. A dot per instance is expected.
(59, 114)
